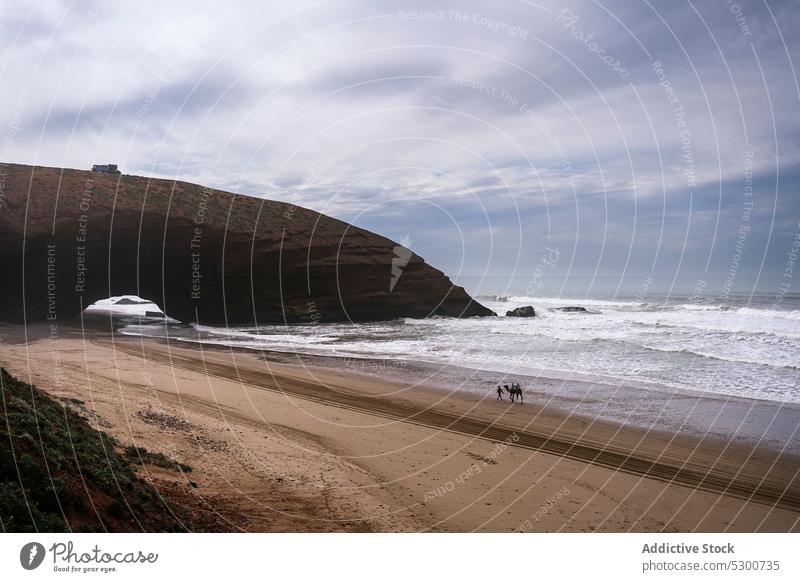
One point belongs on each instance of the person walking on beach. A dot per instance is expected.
(499, 392)
(519, 392)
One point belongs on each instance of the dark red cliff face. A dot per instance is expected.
(70, 237)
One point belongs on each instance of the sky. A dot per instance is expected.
(639, 142)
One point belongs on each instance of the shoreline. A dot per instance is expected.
(752, 421)
(377, 453)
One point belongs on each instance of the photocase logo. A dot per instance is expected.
(402, 254)
(31, 555)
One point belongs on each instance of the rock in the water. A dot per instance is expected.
(201, 254)
(527, 311)
(571, 309)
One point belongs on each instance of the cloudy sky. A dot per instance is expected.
(639, 139)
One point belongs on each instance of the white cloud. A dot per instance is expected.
(350, 106)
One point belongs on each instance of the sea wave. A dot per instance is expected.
(567, 301)
(722, 357)
(774, 313)
(264, 339)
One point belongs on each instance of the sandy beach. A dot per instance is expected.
(285, 447)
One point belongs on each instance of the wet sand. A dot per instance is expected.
(282, 447)
(748, 421)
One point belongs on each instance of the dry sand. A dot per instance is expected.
(278, 447)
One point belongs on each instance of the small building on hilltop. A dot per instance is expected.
(106, 168)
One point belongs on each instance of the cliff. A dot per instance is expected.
(70, 237)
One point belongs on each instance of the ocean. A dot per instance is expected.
(744, 346)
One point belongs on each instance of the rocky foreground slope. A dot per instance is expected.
(58, 473)
(71, 237)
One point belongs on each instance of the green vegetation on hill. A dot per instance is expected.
(58, 474)
(142, 455)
